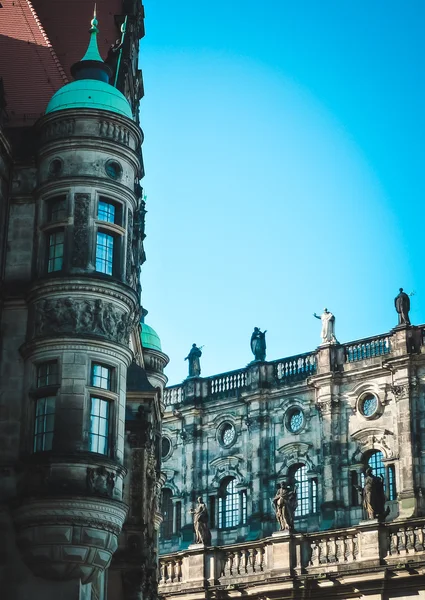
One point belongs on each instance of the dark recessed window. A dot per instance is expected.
(47, 374)
(99, 426)
(104, 253)
(101, 376)
(113, 169)
(56, 209)
(55, 251)
(44, 423)
(165, 447)
(55, 167)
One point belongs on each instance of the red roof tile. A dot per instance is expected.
(30, 68)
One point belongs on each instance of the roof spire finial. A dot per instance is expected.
(92, 66)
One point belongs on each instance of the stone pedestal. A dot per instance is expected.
(280, 551)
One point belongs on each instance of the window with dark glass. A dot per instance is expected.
(44, 423)
(306, 490)
(56, 209)
(375, 460)
(101, 376)
(167, 514)
(55, 251)
(99, 426)
(47, 373)
(354, 480)
(104, 253)
(212, 511)
(178, 509)
(232, 509)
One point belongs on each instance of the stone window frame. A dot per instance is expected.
(287, 419)
(170, 450)
(112, 375)
(379, 408)
(111, 396)
(116, 230)
(220, 431)
(36, 393)
(239, 492)
(288, 406)
(41, 434)
(48, 227)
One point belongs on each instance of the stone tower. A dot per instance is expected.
(75, 325)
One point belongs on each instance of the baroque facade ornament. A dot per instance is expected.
(91, 317)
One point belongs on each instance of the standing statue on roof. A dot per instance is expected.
(328, 327)
(258, 344)
(373, 496)
(200, 523)
(402, 306)
(194, 362)
(285, 504)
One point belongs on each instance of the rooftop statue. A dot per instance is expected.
(285, 504)
(200, 523)
(328, 327)
(402, 306)
(194, 362)
(258, 344)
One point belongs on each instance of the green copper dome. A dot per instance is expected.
(91, 88)
(90, 93)
(150, 338)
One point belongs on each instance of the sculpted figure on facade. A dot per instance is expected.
(374, 497)
(402, 306)
(69, 315)
(200, 523)
(285, 504)
(258, 344)
(328, 327)
(194, 362)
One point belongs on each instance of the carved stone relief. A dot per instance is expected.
(81, 231)
(93, 317)
(63, 128)
(100, 481)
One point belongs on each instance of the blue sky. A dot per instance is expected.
(284, 155)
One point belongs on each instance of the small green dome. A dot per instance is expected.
(90, 93)
(150, 338)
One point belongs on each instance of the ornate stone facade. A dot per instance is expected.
(316, 422)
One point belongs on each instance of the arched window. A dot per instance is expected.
(167, 514)
(375, 460)
(231, 504)
(306, 490)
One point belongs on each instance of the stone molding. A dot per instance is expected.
(228, 466)
(373, 438)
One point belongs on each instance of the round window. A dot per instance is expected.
(295, 420)
(228, 434)
(55, 167)
(369, 405)
(113, 169)
(165, 447)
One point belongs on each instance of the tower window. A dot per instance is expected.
(106, 211)
(55, 253)
(101, 376)
(104, 253)
(99, 426)
(47, 373)
(44, 424)
(56, 209)
(231, 505)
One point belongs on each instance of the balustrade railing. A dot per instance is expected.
(228, 382)
(170, 570)
(409, 539)
(367, 348)
(173, 395)
(342, 548)
(295, 367)
(243, 561)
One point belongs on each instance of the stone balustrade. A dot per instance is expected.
(334, 557)
(295, 367)
(367, 348)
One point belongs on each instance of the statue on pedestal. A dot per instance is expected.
(200, 523)
(285, 504)
(194, 362)
(258, 344)
(328, 327)
(402, 306)
(374, 497)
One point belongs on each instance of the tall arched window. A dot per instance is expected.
(167, 514)
(306, 490)
(375, 460)
(231, 504)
